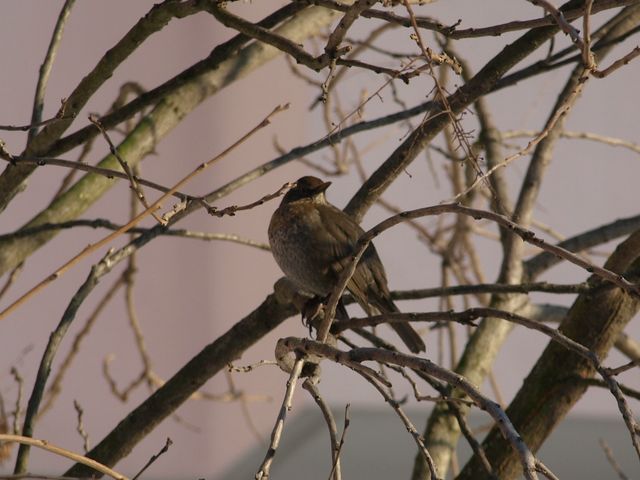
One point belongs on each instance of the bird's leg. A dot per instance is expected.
(341, 311)
(311, 312)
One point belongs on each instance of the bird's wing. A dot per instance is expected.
(369, 283)
(369, 272)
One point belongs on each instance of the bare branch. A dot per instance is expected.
(46, 445)
(154, 206)
(618, 63)
(104, 223)
(125, 167)
(426, 366)
(155, 457)
(526, 235)
(45, 70)
(265, 467)
(612, 461)
(80, 426)
(195, 373)
(331, 426)
(153, 21)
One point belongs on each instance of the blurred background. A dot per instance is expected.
(188, 292)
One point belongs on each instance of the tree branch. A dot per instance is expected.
(548, 393)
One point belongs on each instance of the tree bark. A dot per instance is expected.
(549, 392)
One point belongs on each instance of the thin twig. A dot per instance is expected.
(612, 460)
(424, 365)
(623, 406)
(80, 426)
(45, 70)
(17, 412)
(347, 422)
(375, 320)
(618, 63)
(249, 368)
(231, 210)
(108, 224)
(309, 386)
(11, 279)
(265, 467)
(155, 457)
(154, 206)
(105, 172)
(623, 368)
(588, 59)
(551, 123)
(430, 398)
(471, 440)
(607, 140)
(417, 438)
(125, 168)
(121, 394)
(46, 445)
(24, 128)
(497, 288)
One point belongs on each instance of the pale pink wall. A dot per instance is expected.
(190, 292)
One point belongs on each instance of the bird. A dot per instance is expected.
(313, 241)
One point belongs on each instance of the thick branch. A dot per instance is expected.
(549, 392)
(543, 261)
(451, 31)
(480, 352)
(45, 68)
(12, 178)
(164, 401)
(423, 365)
(479, 85)
(165, 116)
(218, 55)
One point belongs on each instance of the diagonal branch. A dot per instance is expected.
(45, 68)
(156, 125)
(156, 19)
(137, 219)
(194, 374)
(218, 55)
(595, 320)
(423, 365)
(487, 339)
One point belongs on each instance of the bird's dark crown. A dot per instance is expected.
(306, 187)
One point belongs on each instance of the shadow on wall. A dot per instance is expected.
(377, 446)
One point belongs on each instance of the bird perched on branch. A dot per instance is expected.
(313, 241)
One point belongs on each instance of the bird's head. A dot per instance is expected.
(307, 188)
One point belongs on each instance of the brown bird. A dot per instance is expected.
(312, 241)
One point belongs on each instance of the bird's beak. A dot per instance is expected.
(323, 187)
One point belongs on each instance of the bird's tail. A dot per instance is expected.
(404, 330)
(409, 336)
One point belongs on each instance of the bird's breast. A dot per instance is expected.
(295, 234)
